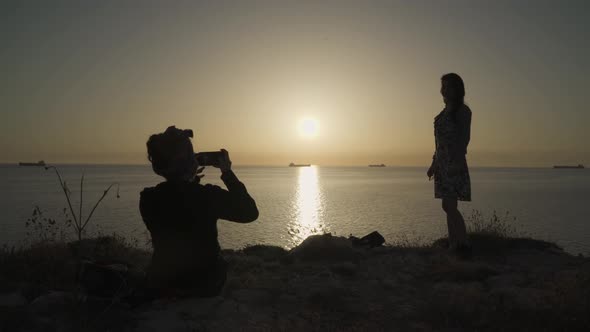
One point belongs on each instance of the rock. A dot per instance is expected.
(266, 252)
(12, 300)
(506, 280)
(228, 308)
(460, 271)
(324, 247)
(567, 276)
(161, 321)
(403, 311)
(173, 315)
(457, 296)
(31, 291)
(345, 268)
(52, 302)
(330, 297)
(197, 307)
(389, 284)
(359, 306)
(540, 260)
(252, 296)
(325, 273)
(288, 303)
(102, 280)
(378, 251)
(522, 299)
(405, 277)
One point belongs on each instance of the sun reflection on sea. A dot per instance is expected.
(308, 206)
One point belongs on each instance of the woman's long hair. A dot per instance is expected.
(459, 99)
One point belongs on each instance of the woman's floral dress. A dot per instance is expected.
(452, 133)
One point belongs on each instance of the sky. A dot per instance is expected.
(89, 81)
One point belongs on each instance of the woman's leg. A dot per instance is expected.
(455, 223)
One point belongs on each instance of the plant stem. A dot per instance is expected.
(97, 203)
(63, 187)
(81, 195)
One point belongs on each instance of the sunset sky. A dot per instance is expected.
(89, 81)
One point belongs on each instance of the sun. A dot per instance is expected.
(308, 127)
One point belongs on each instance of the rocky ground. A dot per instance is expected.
(324, 284)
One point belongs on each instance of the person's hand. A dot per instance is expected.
(196, 171)
(430, 172)
(198, 175)
(224, 161)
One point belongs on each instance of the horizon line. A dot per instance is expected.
(273, 165)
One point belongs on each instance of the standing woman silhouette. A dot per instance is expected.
(452, 127)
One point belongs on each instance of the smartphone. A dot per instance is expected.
(208, 158)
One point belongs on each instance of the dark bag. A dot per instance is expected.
(371, 240)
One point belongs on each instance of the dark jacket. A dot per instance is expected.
(182, 219)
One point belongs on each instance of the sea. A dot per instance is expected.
(295, 202)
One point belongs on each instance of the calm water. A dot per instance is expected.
(296, 202)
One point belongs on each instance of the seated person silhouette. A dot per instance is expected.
(181, 215)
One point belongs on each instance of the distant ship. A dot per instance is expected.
(569, 166)
(375, 165)
(299, 165)
(39, 163)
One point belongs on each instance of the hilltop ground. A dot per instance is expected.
(323, 284)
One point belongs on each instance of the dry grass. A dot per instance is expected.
(496, 225)
(51, 265)
(404, 286)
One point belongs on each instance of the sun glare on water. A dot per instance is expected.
(308, 127)
(308, 206)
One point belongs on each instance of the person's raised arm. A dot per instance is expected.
(233, 204)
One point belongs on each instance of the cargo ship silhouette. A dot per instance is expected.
(39, 163)
(569, 166)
